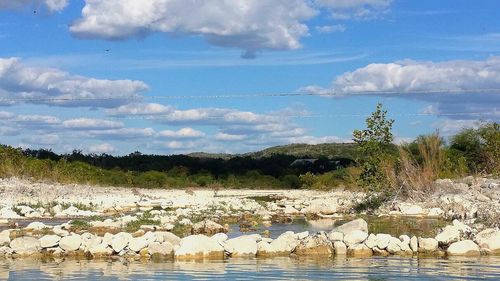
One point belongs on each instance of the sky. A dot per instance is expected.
(234, 76)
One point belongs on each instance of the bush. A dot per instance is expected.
(291, 181)
(375, 145)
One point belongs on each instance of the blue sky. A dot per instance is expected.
(105, 76)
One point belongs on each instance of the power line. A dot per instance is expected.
(255, 95)
(166, 117)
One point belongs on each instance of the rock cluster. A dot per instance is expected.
(351, 239)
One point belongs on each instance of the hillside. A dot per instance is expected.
(329, 150)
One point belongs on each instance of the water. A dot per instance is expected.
(379, 268)
(395, 226)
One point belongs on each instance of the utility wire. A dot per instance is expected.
(235, 96)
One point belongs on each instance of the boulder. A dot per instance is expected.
(463, 248)
(59, 231)
(489, 239)
(161, 249)
(449, 235)
(281, 246)
(207, 227)
(435, 212)
(358, 224)
(336, 236)
(36, 226)
(120, 241)
(414, 244)
(199, 246)
(340, 248)
(371, 241)
(316, 245)
(380, 252)
(102, 249)
(70, 243)
(8, 213)
(137, 244)
(355, 237)
(219, 237)
(241, 246)
(164, 236)
(383, 240)
(410, 209)
(49, 241)
(325, 206)
(25, 245)
(4, 237)
(359, 250)
(394, 245)
(427, 245)
(290, 210)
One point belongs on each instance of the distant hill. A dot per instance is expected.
(329, 150)
(315, 151)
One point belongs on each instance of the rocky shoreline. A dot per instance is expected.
(92, 222)
(350, 239)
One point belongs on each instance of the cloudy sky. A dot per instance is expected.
(177, 76)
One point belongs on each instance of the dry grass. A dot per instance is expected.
(415, 178)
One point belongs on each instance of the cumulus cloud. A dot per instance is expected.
(123, 133)
(245, 24)
(50, 5)
(460, 89)
(357, 9)
(229, 138)
(36, 120)
(449, 127)
(19, 82)
(410, 76)
(184, 133)
(330, 28)
(43, 139)
(102, 148)
(91, 124)
(171, 115)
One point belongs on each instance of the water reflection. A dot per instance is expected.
(387, 268)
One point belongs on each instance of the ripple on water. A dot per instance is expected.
(383, 268)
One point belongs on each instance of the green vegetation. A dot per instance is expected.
(380, 166)
(145, 219)
(375, 143)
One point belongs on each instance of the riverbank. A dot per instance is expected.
(61, 220)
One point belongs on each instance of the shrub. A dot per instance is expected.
(374, 145)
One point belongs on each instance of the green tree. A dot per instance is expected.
(374, 144)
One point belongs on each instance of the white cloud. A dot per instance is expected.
(50, 5)
(357, 9)
(330, 28)
(317, 140)
(407, 76)
(460, 89)
(36, 120)
(184, 133)
(228, 137)
(449, 127)
(91, 124)
(124, 133)
(245, 24)
(179, 145)
(6, 115)
(8, 131)
(102, 148)
(43, 139)
(19, 82)
(140, 109)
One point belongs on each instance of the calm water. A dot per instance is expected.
(392, 268)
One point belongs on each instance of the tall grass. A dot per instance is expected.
(415, 174)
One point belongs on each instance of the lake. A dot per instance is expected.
(376, 268)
